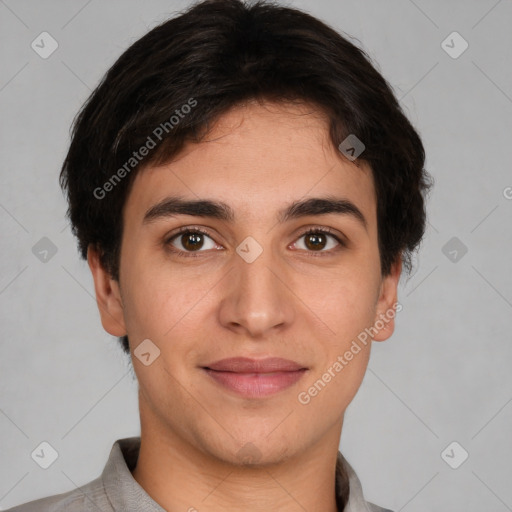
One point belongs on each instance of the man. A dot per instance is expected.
(245, 189)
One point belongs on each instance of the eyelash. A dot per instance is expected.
(195, 254)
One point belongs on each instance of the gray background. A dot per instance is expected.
(445, 374)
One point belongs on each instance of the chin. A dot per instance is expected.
(257, 452)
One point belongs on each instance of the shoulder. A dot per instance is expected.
(90, 497)
(72, 501)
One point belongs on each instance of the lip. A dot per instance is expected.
(255, 378)
(248, 365)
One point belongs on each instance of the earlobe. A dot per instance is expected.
(387, 304)
(108, 296)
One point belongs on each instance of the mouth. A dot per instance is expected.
(252, 378)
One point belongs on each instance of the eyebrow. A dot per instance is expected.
(172, 206)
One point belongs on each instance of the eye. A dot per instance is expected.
(317, 239)
(189, 240)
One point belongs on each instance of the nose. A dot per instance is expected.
(257, 298)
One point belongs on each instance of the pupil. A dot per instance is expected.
(192, 241)
(315, 238)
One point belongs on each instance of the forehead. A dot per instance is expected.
(256, 158)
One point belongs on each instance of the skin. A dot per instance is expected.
(291, 302)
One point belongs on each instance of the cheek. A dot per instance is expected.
(147, 298)
(163, 303)
(346, 301)
(347, 304)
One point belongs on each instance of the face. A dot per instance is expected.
(249, 281)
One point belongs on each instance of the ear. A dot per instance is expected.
(387, 303)
(108, 296)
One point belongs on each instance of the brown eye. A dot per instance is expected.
(190, 240)
(320, 240)
(315, 241)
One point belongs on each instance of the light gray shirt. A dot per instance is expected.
(117, 491)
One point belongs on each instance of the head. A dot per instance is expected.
(227, 121)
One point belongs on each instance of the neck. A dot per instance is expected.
(180, 476)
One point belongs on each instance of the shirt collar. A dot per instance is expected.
(126, 495)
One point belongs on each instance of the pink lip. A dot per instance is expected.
(253, 378)
(247, 365)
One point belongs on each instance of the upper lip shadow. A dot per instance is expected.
(248, 365)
